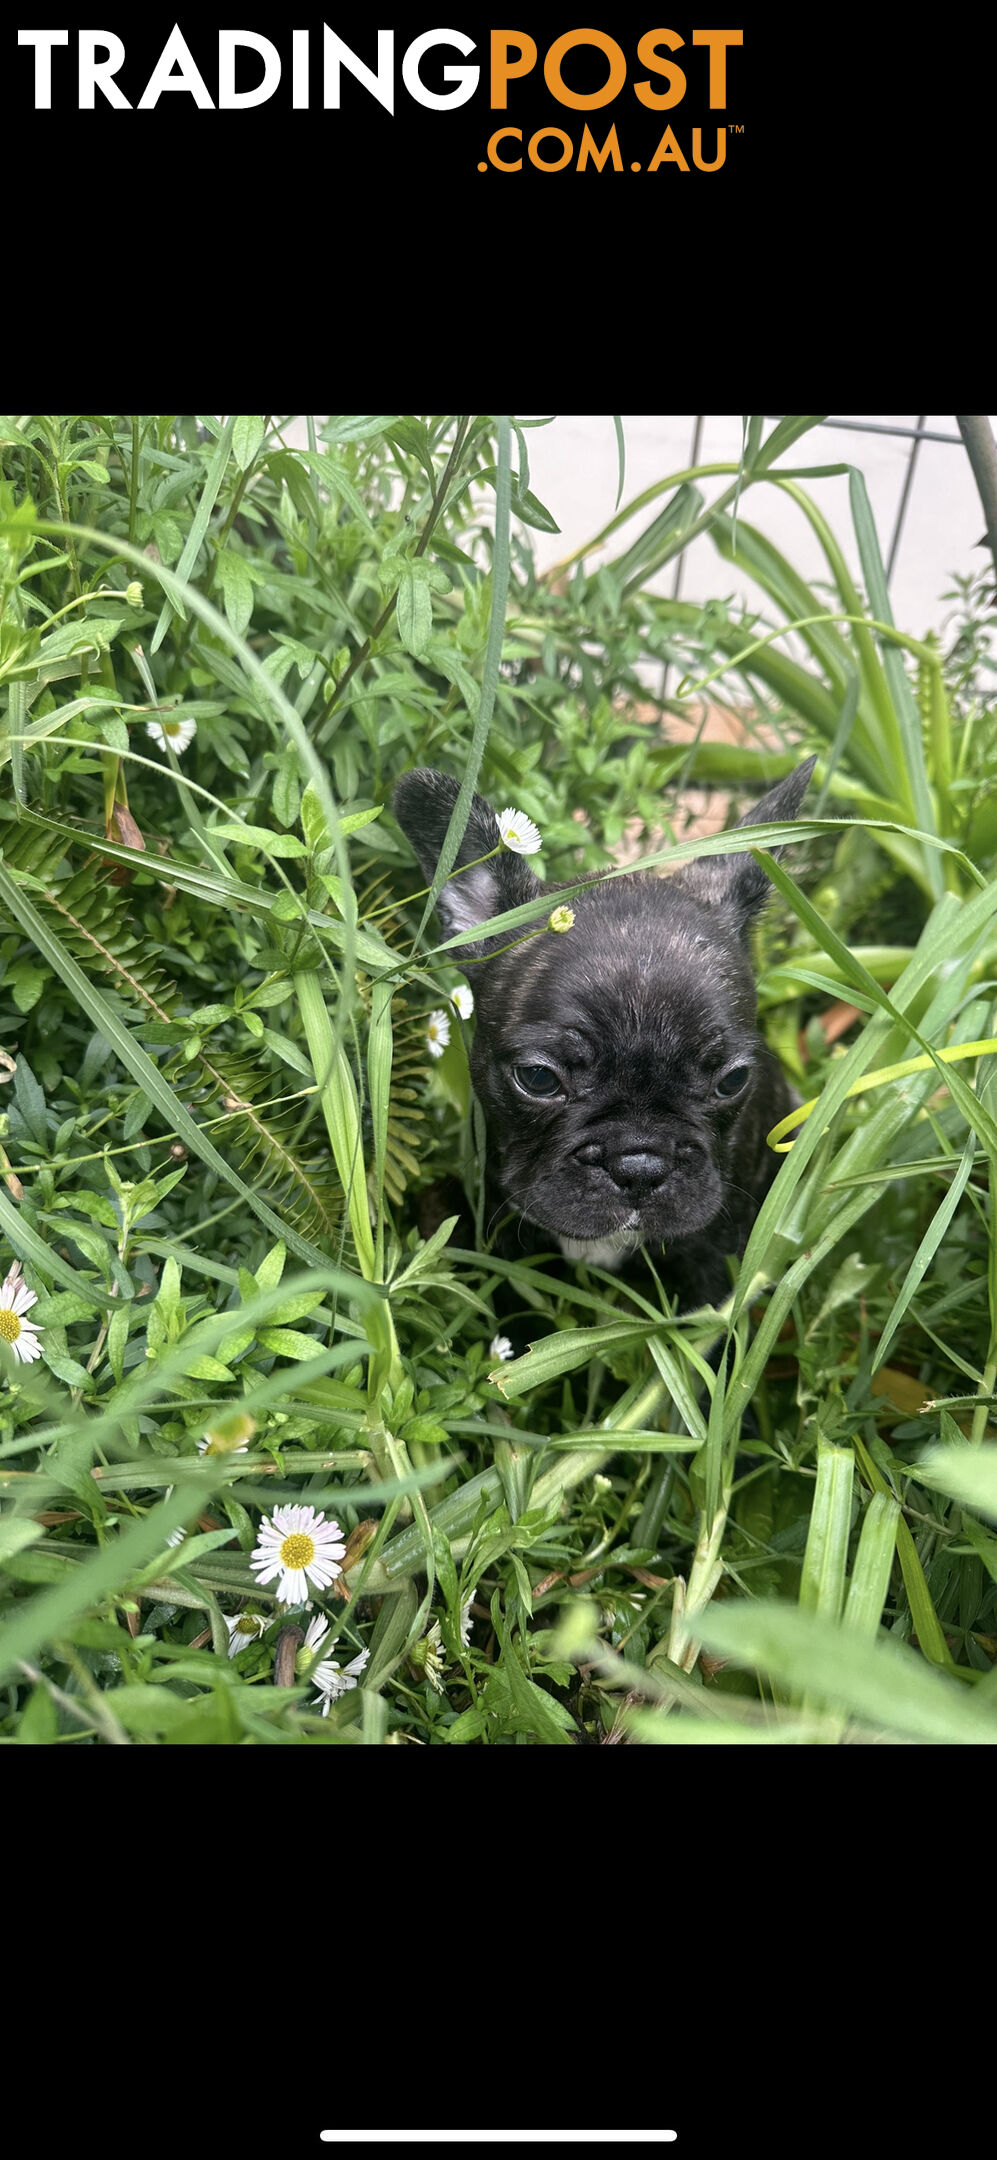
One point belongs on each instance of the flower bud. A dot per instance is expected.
(561, 919)
(133, 593)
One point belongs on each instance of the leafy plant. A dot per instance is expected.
(219, 647)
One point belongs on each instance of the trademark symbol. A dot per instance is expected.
(735, 127)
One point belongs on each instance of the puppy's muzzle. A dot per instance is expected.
(641, 1169)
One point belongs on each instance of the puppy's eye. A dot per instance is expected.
(536, 1079)
(734, 1082)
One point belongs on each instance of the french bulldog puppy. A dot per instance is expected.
(626, 1089)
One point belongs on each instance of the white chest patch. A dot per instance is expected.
(609, 1252)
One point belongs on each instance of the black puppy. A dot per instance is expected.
(626, 1089)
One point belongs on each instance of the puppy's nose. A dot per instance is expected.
(639, 1170)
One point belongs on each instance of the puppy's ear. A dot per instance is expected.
(736, 883)
(423, 803)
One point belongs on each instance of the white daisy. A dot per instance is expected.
(466, 1622)
(299, 1547)
(332, 1683)
(434, 1659)
(462, 999)
(437, 1033)
(172, 734)
(518, 832)
(176, 1537)
(500, 1347)
(20, 1335)
(242, 1630)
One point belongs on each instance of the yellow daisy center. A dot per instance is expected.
(171, 727)
(297, 1551)
(10, 1326)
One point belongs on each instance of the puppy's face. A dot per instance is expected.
(626, 1089)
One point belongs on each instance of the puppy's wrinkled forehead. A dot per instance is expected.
(640, 965)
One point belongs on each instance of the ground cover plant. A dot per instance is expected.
(266, 1473)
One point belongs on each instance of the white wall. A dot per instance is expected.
(574, 472)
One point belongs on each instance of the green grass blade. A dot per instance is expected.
(927, 1625)
(17, 706)
(664, 538)
(870, 1577)
(340, 1109)
(967, 1474)
(621, 452)
(873, 678)
(883, 1683)
(904, 702)
(822, 1582)
(379, 1058)
(755, 553)
(655, 1730)
(928, 1247)
(784, 434)
(209, 496)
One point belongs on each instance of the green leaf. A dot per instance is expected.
(354, 819)
(204, 1367)
(39, 1724)
(25, 983)
(313, 820)
(288, 1342)
(287, 788)
(247, 435)
(357, 427)
(17, 1532)
(298, 1309)
(117, 1336)
(237, 588)
(168, 1299)
(286, 845)
(290, 1053)
(95, 1205)
(30, 1102)
(62, 1309)
(66, 1368)
(531, 512)
(563, 1352)
(271, 1268)
(414, 612)
(269, 994)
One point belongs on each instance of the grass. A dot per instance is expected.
(219, 1108)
